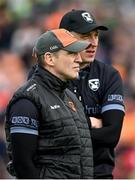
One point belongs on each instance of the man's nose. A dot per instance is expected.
(78, 58)
(93, 41)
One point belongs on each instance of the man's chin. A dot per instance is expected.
(90, 60)
(86, 62)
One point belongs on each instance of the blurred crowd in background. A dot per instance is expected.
(22, 21)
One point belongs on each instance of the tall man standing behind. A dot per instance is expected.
(49, 133)
(100, 90)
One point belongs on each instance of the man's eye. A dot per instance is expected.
(71, 53)
(96, 33)
(84, 37)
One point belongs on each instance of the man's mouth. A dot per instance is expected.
(77, 68)
(90, 52)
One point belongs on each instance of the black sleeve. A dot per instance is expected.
(109, 134)
(24, 144)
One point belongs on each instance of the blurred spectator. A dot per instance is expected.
(13, 70)
(24, 39)
(7, 27)
(21, 8)
(52, 20)
(125, 163)
(128, 130)
(12, 76)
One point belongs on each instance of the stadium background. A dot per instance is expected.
(22, 21)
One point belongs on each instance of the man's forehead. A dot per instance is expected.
(86, 34)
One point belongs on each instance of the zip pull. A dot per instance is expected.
(80, 98)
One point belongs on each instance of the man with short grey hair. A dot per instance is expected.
(50, 137)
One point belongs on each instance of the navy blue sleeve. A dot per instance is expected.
(112, 111)
(113, 92)
(24, 119)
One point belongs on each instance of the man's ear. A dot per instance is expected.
(49, 59)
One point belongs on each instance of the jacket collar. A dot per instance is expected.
(51, 80)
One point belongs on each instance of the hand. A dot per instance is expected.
(96, 123)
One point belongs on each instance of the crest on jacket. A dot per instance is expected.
(94, 84)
